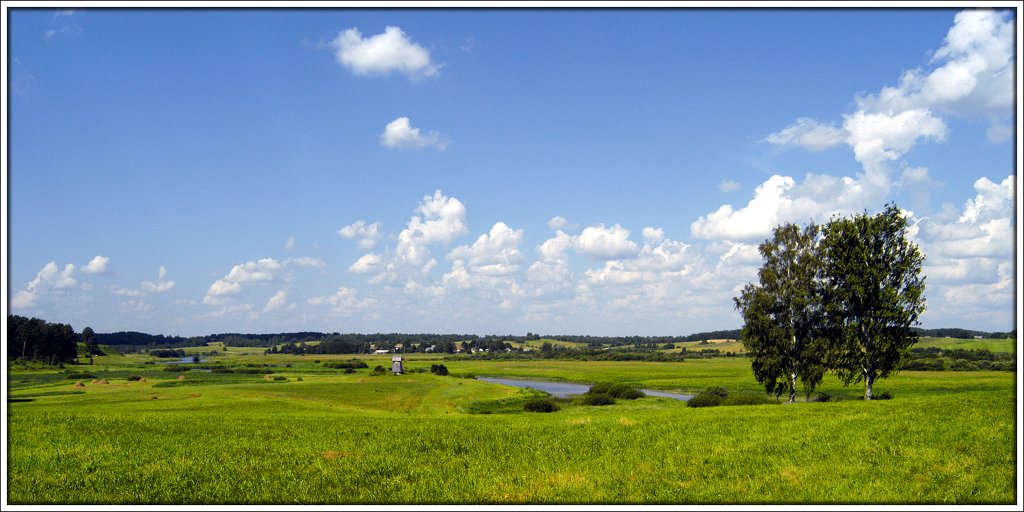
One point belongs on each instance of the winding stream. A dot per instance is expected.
(565, 389)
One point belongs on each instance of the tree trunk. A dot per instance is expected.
(867, 389)
(792, 387)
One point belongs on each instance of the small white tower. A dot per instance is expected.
(396, 365)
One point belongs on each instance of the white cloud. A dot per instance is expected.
(654, 235)
(381, 54)
(728, 186)
(49, 278)
(278, 300)
(998, 133)
(261, 271)
(306, 261)
(366, 264)
(493, 254)
(399, 134)
(290, 243)
(808, 133)
(161, 285)
(368, 234)
(603, 243)
(97, 265)
(975, 77)
(344, 302)
(877, 138)
(757, 219)
(558, 222)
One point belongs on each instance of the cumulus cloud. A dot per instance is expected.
(161, 285)
(755, 220)
(975, 75)
(438, 220)
(381, 54)
(603, 243)
(808, 133)
(399, 134)
(49, 278)
(280, 299)
(495, 253)
(998, 133)
(262, 271)
(97, 265)
(368, 234)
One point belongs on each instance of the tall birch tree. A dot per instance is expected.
(874, 294)
(782, 313)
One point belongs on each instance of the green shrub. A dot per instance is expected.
(884, 395)
(540, 404)
(80, 375)
(625, 392)
(349, 370)
(717, 390)
(439, 369)
(222, 370)
(598, 399)
(135, 378)
(175, 368)
(600, 388)
(280, 378)
(710, 397)
(378, 370)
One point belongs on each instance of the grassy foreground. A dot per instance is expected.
(946, 438)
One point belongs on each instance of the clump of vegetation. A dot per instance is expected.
(264, 371)
(176, 368)
(715, 396)
(378, 370)
(540, 404)
(351, 364)
(80, 375)
(280, 378)
(439, 369)
(597, 399)
(616, 390)
(168, 352)
(135, 378)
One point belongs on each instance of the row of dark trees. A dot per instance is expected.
(32, 338)
(842, 297)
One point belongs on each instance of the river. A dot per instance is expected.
(566, 389)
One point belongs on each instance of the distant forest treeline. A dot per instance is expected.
(32, 338)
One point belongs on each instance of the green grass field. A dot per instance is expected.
(335, 438)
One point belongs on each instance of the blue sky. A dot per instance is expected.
(604, 172)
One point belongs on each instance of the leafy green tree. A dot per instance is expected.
(782, 313)
(874, 293)
(91, 347)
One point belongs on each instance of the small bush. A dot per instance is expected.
(175, 368)
(439, 369)
(625, 392)
(378, 370)
(885, 395)
(717, 390)
(222, 370)
(135, 378)
(280, 378)
(824, 397)
(598, 399)
(600, 388)
(80, 375)
(540, 404)
(710, 397)
(299, 379)
(349, 370)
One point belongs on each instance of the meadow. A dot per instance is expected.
(320, 436)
